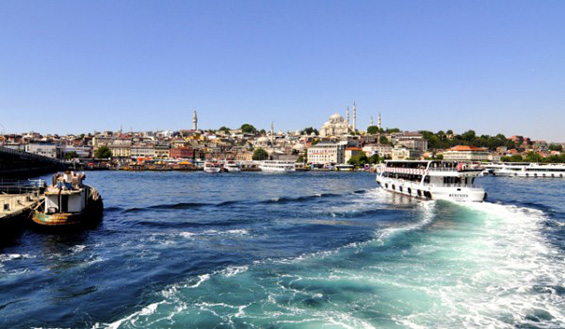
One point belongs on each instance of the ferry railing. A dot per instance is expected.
(454, 185)
(456, 170)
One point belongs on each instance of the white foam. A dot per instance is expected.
(508, 259)
(233, 270)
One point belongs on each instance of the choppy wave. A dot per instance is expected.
(191, 205)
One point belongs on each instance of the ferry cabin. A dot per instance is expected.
(432, 179)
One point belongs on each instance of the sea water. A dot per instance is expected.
(300, 250)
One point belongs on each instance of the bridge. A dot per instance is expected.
(14, 163)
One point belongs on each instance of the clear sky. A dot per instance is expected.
(80, 66)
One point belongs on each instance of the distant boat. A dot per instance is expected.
(68, 202)
(520, 169)
(211, 167)
(232, 166)
(344, 167)
(277, 166)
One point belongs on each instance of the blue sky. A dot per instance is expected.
(80, 66)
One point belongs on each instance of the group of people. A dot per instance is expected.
(69, 180)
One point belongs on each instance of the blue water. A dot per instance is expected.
(303, 250)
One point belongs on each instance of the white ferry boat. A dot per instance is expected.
(548, 170)
(211, 167)
(277, 166)
(432, 180)
(232, 166)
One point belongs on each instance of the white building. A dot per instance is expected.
(382, 150)
(401, 153)
(466, 153)
(46, 150)
(327, 152)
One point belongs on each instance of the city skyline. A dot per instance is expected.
(80, 67)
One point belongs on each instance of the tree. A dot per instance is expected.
(555, 147)
(300, 159)
(246, 128)
(359, 159)
(383, 140)
(533, 157)
(371, 130)
(260, 154)
(309, 131)
(225, 129)
(392, 130)
(374, 159)
(71, 155)
(103, 152)
(469, 135)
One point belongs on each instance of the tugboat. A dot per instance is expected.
(68, 202)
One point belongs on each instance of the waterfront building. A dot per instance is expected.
(162, 150)
(44, 149)
(467, 153)
(142, 151)
(120, 151)
(327, 152)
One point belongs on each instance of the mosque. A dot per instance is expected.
(337, 125)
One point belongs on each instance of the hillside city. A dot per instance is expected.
(337, 141)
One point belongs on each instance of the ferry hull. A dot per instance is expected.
(462, 194)
(90, 214)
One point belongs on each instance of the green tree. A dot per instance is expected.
(555, 147)
(260, 154)
(371, 130)
(392, 130)
(383, 140)
(301, 159)
(71, 155)
(359, 159)
(246, 128)
(225, 129)
(103, 152)
(374, 159)
(533, 157)
(309, 131)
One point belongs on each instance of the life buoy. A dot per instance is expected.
(460, 166)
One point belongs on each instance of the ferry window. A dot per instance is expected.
(400, 188)
(427, 179)
(393, 186)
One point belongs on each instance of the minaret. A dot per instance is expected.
(372, 124)
(272, 134)
(354, 118)
(379, 129)
(347, 117)
(194, 122)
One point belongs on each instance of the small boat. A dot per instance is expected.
(68, 202)
(211, 167)
(277, 166)
(231, 166)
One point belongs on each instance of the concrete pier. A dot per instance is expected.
(13, 206)
(18, 198)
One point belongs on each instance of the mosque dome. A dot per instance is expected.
(336, 116)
